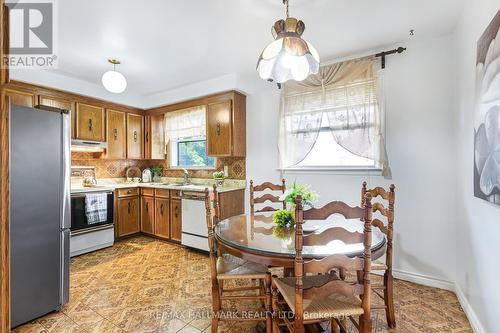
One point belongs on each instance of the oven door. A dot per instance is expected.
(79, 220)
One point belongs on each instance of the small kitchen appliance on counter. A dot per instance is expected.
(147, 177)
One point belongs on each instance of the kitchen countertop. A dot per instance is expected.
(112, 187)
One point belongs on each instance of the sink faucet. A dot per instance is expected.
(186, 177)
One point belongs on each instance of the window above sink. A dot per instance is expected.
(186, 137)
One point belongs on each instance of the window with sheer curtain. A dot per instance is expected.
(332, 120)
(185, 135)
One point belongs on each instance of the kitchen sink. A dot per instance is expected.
(186, 186)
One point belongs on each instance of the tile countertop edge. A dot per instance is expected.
(112, 187)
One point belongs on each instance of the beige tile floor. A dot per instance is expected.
(146, 285)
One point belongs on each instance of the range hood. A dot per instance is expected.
(88, 146)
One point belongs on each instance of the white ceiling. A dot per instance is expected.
(165, 44)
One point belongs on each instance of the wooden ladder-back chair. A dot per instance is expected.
(225, 267)
(324, 296)
(266, 197)
(388, 229)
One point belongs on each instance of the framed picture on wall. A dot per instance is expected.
(487, 115)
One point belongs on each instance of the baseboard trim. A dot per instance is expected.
(424, 280)
(430, 281)
(474, 321)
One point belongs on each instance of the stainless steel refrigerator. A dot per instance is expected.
(40, 211)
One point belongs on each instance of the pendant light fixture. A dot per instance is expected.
(114, 81)
(289, 57)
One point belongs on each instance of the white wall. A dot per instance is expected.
(58, 80)
(478, 222)
(421, 147)
(420, 143)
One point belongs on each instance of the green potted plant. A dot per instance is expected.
(157, 172)
(219, 177)
(284, 219)
(308, 196)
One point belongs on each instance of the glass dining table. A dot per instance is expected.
(256, 238)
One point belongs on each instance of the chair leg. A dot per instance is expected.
(342, 274)
(215, 325)
(359, 276)
(389, 300)
(269, 316)
(262, 292)
(334, 326)
(365, 324)
(343, 325)
(274, 304)
(216, 306)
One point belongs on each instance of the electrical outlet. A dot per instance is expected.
(226, 171)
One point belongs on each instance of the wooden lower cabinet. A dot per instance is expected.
(161, 211)
(175, 220)
(162, 218)
(148, 215)
(161, 214)
(128, 216)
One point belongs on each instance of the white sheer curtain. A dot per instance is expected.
(185, 123)
(347, 93)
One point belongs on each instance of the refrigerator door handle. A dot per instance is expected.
(65, 262)
(66, 171)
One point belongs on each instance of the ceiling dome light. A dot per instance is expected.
(289, 57)
(114, 81)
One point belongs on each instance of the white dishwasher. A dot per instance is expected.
(194, 223)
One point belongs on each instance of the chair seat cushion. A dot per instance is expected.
(231, 267)
(378, 265)
(335, 306)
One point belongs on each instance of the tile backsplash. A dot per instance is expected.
(116, 168)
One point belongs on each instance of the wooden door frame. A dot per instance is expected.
(4, 179)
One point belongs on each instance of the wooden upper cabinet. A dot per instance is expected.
(135, 130)
(60, 104)
(154, 137)
(219, 136)
(90, 122)
(21, 98)
(116, 134)
(226, 127)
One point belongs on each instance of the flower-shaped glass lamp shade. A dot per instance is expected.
(289, 57)
(114, 82)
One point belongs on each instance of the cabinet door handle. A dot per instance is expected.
(147, 136)
(135, 136)
(161, 209)
(129, 191)
(176, 211)
(90, 124)
(147, 206)
(129, 207)
(115, 134)
(218, 128)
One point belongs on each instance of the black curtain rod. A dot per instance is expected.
(383, 54)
